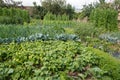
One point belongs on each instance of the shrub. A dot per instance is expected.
(106, 18)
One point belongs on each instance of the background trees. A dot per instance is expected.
(56, 7)
(2, 3)
(116, 4)
(9, 3)
(87, 9)
(38, 11)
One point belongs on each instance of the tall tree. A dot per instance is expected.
(116, 4)
(70, 11)
(2, 3)
(102, 1)
(54, 6)
(38, 11)
(9, 3)
(86, 10)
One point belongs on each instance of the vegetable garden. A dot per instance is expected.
(39, 51)
(59, 48)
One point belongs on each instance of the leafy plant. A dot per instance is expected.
(13, 16)
(106, 18)
(55, 60)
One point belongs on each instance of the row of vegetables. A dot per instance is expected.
(40, 36)
(111, 37)
(56, 60)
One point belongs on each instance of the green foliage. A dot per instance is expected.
(13, 16)
(2, 4)
(86, 10)
(50, 16)
(10, 33)
(39, 36)
(70, 11)
(55, 60)
(9, 3)
(58, 23)
(109, 64)
(106, 18)
(64, 17)
(111, 37)
(56, 7)
(38, 12)
(88, 30)
(14, 31)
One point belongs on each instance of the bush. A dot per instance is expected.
(106, 18)
(13, 16)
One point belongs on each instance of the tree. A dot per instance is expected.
(2, 4)
(38, 11)
(116, 4)
(86, 10)
(54, 6)
(102, 1)
(70, 11)
(9, 3)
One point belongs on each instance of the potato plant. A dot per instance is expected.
(55, 60)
